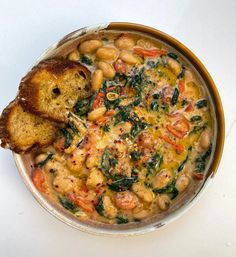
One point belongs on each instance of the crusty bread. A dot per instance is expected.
(22, 131)
(52, 88)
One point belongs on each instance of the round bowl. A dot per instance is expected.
(24, 162)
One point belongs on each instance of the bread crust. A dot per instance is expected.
(29, 92)
(6, 136)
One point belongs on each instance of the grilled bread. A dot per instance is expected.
(52, 88)
(22, 131)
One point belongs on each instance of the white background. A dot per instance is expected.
(208, 28)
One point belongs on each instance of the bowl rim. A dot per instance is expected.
(219, 140)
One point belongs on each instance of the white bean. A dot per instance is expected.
(182, 183)
(96, 114)
(174, 66)
(128, 57)
(125, 42)
(107, 53)
(74, 56)
(205, 139)
(95, 178)
(163, 202)
(76, 160)
(162, 179)
(142, 192)
(89, 46)
(126, 200)
(109, 209)
(41, 157)
(107, 68)
(97, 79)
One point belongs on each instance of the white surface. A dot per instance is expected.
(208, 28)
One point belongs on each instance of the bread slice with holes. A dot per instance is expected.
(52, 88)
(22, 131)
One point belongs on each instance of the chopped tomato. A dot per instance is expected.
(179, 128)
(99, 100)
(198, 176)
(149, 52)
(189, 107)
(181, 86)
(110, 88)
(120, 66)
(81, 202)
(179, 148)
(38, 179)
(104, 119)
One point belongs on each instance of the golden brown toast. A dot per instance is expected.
(52, 88)
(22, 131)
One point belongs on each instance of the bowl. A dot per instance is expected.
(24, 162)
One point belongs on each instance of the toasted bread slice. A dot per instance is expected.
(52, 88)
(22, 131)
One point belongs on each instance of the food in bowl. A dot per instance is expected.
(125, 127)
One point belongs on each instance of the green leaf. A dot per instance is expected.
(135, 155)
(42, 163)
(154, 163)
(198, 129)
(107, 162)
(68, 137)
(82, 107)
(121, 220)
(67, 204)
(122, 184)
(200, 162)
(173, 56)
(201, 103)
(72, 126)
(86, 60)
(169, 189)
(175, 96)
(195, 118)
(106, 128)
(180, 168)
(100, 207)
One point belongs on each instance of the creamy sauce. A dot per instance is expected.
(138, 143)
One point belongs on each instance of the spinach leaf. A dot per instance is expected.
(135, 155)
(137, 127)
(154, 163)
(184, 102)
(108, 161)
(122, 184)
(169, 189)
(182, 73)
(156, 96)
(72, 126)
(154, 105)
(68, 137)
(201, 103)
(121, 220)
(200, 162)
(175, 96)
(180, 168)
(86, 60)
(100, 207)
(82, 107)
(197, 129)
(195, 118)
(67, 204)
(106, 128)
(173, 56)
(122, 115)
(42, 163)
